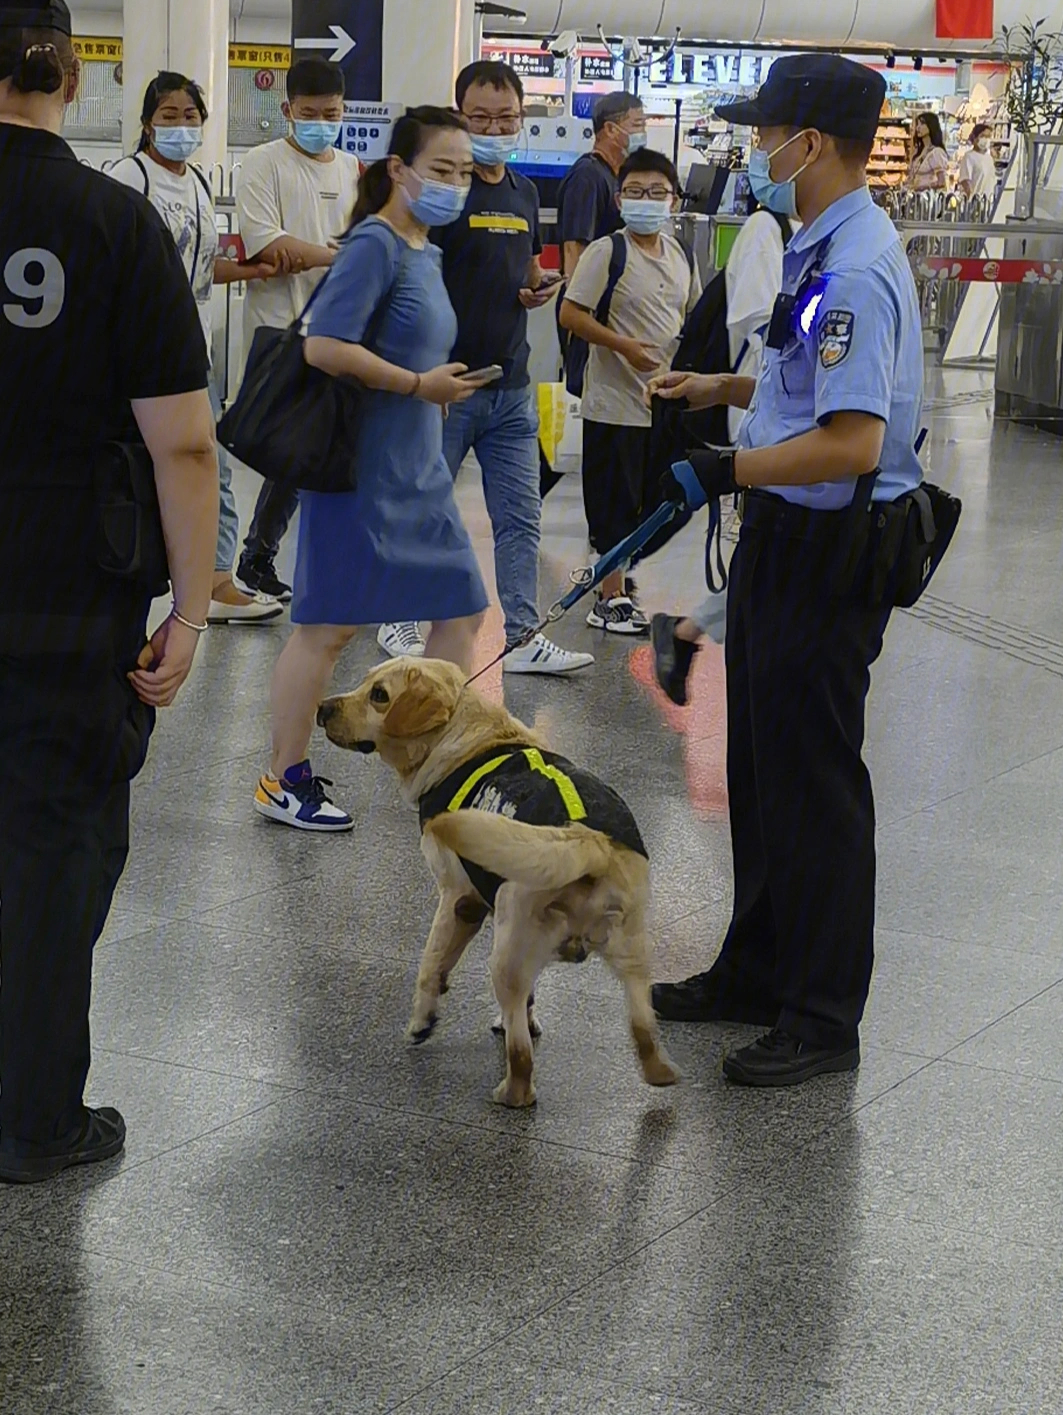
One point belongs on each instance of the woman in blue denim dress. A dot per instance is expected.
(395, 548)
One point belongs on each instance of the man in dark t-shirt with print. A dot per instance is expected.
(587, 207)
(492, 274)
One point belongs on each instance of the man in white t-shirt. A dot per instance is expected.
(294, 199)
(978, 171)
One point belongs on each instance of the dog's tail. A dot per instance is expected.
(541, 856)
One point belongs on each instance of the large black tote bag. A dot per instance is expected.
(294, 424)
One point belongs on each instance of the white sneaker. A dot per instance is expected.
(259, 609)
(401, 640)
(541, 656)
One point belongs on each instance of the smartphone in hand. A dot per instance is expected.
(491, 374)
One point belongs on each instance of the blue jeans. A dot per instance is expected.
(501, 426)
(228, 520)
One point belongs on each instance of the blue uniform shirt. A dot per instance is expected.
(862, 353)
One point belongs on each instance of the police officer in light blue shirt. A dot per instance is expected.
(838, 400)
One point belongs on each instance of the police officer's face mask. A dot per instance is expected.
(780, 197)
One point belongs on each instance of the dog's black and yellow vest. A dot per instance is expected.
(536, 788)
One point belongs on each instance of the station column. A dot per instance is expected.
(191, 37)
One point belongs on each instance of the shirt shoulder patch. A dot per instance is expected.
(836, 337)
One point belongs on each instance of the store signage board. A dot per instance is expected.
(349, 33)
(533, 66)
(260, 56)
(598, 68)
(98, 49)
(367, 129)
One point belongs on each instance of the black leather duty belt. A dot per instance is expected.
(763, 510)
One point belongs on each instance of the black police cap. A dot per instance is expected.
(24, 14)
(821, 91)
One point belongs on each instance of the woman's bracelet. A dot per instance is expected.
(196, 628)
(416, 387)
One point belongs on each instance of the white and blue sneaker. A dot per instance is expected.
(302, 802)
(542, 656)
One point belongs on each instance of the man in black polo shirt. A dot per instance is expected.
(492, 273)
(100, 346)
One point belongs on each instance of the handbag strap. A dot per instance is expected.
(376, 319)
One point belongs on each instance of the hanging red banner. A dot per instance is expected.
(965, 19)
(978, 270)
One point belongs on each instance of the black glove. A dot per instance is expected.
(705, 476)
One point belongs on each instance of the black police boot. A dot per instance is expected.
(101, 1137)
(257, 575)
(709, 997)
(672, 657)
(779, 1059)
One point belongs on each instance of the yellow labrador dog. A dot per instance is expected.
(508, 828)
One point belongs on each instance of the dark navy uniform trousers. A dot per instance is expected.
(802, 811)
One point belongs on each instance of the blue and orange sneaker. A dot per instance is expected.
(299, 799)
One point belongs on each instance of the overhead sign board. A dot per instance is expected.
(367, 129)
(348, 32)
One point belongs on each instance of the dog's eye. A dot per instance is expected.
(378, 696)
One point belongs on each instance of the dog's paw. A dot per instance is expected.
(419, 1031)
(514, 1095)
(660, 1070)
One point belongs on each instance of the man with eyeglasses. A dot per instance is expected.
(493, 276)
(587, 199)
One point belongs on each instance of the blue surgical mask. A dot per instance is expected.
(780, 197)
(636, 142)
(493, 149)
(438, 203)
(316, 137)
(645, 217)
(177, 144)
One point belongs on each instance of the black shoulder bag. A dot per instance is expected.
(294, 424)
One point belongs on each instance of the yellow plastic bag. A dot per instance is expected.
(553, 412)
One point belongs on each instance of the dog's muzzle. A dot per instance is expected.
(366, 748)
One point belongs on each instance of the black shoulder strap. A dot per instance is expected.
(198, 172)
(143, 173)
(617, 266)
(376, 319)
(785, 226)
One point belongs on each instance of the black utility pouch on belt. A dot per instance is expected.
(893, 548)
(129, 541)
(910, 537)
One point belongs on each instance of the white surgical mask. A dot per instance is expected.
(645, 217)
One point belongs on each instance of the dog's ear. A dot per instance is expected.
(422, 706)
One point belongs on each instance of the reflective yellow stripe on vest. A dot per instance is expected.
(572, 800)
(464, 792)
(566, 787)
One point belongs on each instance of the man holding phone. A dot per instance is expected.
(492, 274)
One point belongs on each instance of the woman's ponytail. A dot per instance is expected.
(374, 190)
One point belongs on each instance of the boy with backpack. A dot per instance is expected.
(629, 299)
